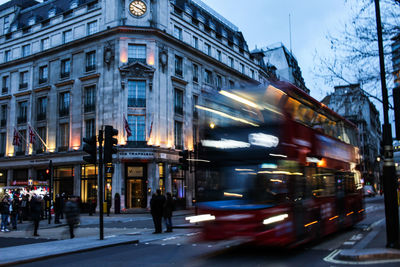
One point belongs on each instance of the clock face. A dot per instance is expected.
(137, 8)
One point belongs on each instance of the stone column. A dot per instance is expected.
(10, 173)
(167, 177)
(77, 180)
(153, 177)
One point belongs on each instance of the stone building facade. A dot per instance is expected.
(350, 102)
(283, 63)
(69, 67)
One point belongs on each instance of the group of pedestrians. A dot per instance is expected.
(17, 207)
(162, 207)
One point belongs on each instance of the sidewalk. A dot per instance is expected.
(88, 237)
(372, 247)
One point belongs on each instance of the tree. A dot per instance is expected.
(355, 49)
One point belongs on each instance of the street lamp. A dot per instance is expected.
(389, 171)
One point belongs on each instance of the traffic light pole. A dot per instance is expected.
(389, 171)
(101, 187)
(50, 188)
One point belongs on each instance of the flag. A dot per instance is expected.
(17, 138)
(32, 135)
(127, 128)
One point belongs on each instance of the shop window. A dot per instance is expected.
(88, 187)
(64, 180)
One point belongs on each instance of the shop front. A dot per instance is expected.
(136, 186)
(178, 186)
(88, 187)
(64, 180)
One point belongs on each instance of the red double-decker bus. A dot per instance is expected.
(275, 167)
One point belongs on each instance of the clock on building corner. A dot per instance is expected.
(137, 8)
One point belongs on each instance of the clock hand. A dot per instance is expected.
(141, 9)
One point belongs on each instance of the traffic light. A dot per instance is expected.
(90, 148)
(109, 142)
(47, 175)
(183, 159)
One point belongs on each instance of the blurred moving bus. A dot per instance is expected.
(275, 167)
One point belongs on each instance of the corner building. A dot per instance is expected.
(68, 67)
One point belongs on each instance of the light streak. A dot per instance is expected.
(274, 219)
(222, 114)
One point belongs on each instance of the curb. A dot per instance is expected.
(68, 253)
(368, 254)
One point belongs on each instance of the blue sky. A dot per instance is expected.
(264, 22)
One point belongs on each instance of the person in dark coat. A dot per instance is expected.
(72, 214)
(36, 211)
(5, 212)
(15, 204)
(57, 208)
(157, 205)
(167, 212)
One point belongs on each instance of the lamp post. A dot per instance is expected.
(389, 170)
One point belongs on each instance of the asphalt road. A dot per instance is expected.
(187, 251)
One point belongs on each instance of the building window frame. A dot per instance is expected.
(90, 61)
(41, 112)
(90, 98)
(22, 112)
(178, 66)
(43, 74)
(137, 93)
(23, 80)
(92, 27)
(178, 32)
(137, 52)
(65, 68)
(63, 104)
(178, 101)
(5, 84)
(67, 36)
(178, 134)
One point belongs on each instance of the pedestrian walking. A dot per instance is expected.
(5, 212)
(63, 200)
(156, 206)
(15, 204)
(24, 208)
(72, 214)
(36, 211)
(57, 208)
(167, 212)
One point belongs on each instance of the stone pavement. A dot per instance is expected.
(371, 249)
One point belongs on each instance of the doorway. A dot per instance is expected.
(135, 193)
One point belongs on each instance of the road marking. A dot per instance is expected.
(110, 236)
(190, 234)
(209, 246)
(356, 237)
(349, 243)
(331, 258)
(169, 238)
(194, 245)
(178, 244)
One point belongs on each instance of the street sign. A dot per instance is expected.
(110, 169)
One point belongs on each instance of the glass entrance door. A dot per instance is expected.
(136, 197)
